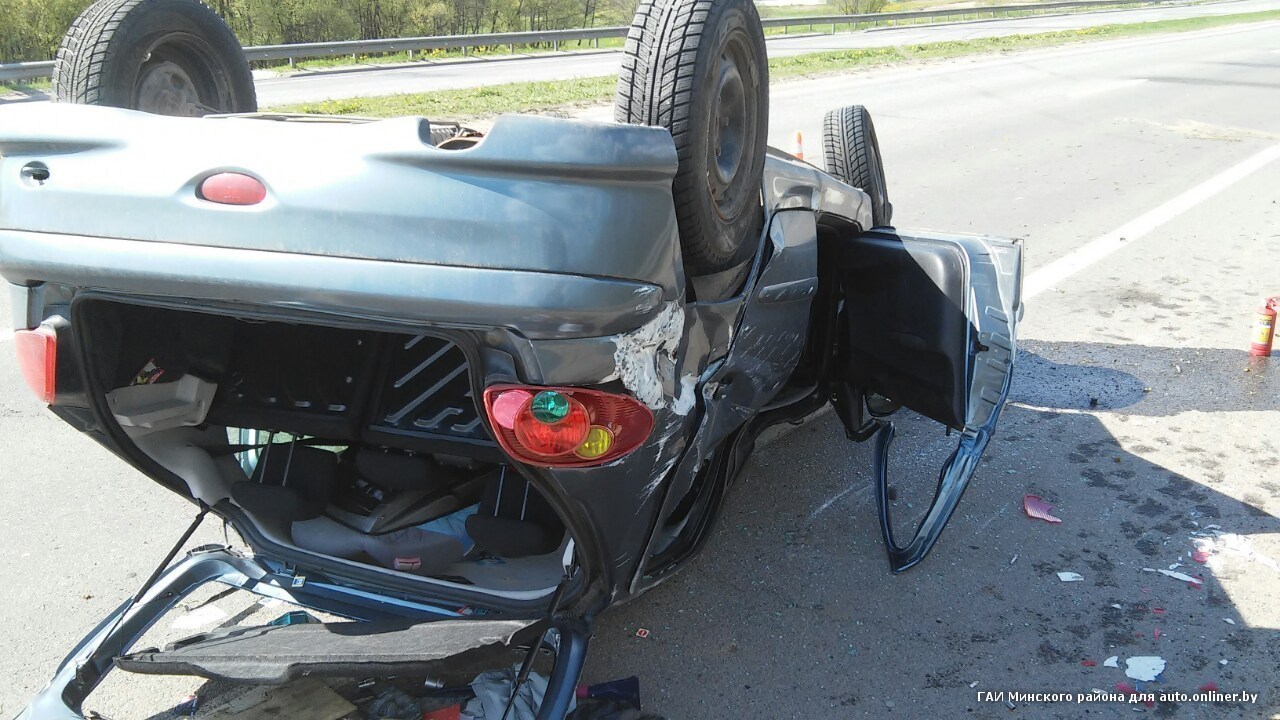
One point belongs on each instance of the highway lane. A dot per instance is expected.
(790, 612)
(423, 77)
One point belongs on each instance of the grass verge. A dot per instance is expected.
(538, 96)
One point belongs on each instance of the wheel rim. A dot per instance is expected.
(732, 126)
(181, 76)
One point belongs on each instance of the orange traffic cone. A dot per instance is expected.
(799, 151)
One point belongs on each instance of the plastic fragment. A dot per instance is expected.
(1200, 556)
(1013, 559)
(1209, 687)
(1125, 688)
(1244, 546)
(1070, 577)
(186, 708)
(1179, 576)
(1088, 663)
(1229, 621)
(1222, 661)
(1157, 633)
(1117, 606)
(1113, 661)
(642, 633)
(973, 684)
(1144, 667)
(1158, 611)
(1035, 507)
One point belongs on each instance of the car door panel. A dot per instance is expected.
(928, 321)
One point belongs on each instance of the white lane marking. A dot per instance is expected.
(1099, 87)
(1134, 230)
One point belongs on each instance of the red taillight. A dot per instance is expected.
(233, 189)
(38, 360)
(566, 427)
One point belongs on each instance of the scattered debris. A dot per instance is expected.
(1088, 663)
(1229, 621)
(1156, 633)
(1209, 687)
(642, 633)
(1158, 611)
(1200, 556)
(1144, 668)
(889, 704)
(1113, 661)
(1013, 559)
(1180, 576)
(1222, 661)
(973, 684)
(1126, 688)
(1070, 577)
(1035, 507)
(1241, 545)
(1175, 566)
(1117, 606)
(200, 617)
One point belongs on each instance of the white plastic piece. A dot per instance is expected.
(1180, 576)
(1113, 661)
(1070, 577)
(184, 403)
(1144, 668)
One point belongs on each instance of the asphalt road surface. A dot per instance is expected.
(1144, 176)
(425, 77)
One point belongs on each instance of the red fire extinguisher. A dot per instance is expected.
(1265, 327)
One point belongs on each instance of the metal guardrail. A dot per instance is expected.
(553, 38)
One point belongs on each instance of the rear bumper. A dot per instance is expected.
(538, 305)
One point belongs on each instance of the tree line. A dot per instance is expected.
(32, 29)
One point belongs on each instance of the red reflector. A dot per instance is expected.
(38, 360)
(558, 434)
(233, 189)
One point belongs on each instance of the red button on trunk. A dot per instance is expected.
(233, 189)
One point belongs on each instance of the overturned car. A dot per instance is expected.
(470, 389)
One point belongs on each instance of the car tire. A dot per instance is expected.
(699, 69)
(852, 154)
(169, 57)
